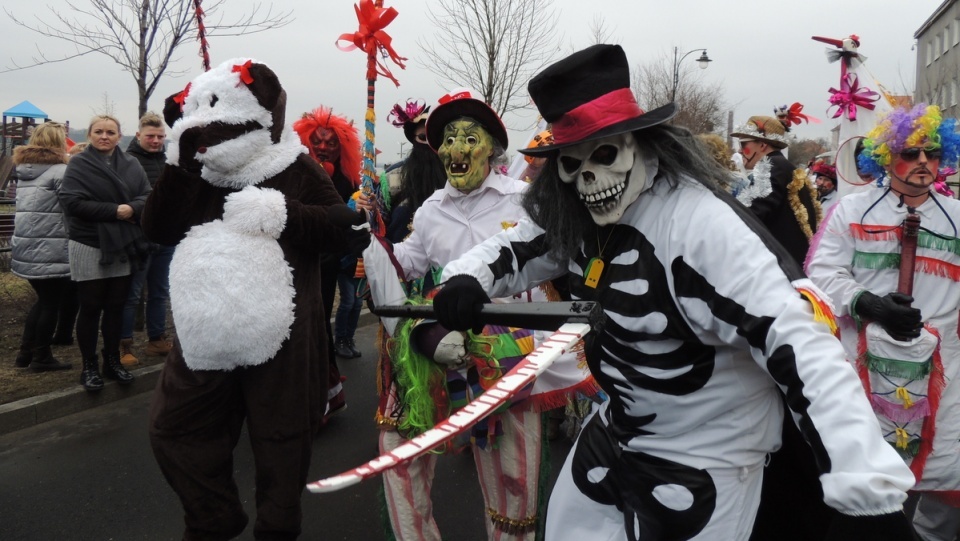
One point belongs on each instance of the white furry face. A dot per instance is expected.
(609, 174)
(235, 148)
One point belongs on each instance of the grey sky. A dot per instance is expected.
(762, 53)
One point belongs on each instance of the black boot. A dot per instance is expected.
(24, 357)
(353, 348)
(341, 348)
(90, 376)
(43, 361)
(112, 369)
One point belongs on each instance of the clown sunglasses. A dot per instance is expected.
(913, 154)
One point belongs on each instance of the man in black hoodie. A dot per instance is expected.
(147, 147)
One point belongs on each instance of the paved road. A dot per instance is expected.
(91, 476)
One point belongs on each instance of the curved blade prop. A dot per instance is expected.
(519, 377)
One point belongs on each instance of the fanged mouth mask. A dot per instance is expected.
(465, 150)
(609, 174)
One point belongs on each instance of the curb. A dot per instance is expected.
(47, 407)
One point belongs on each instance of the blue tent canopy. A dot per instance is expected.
(25, 109)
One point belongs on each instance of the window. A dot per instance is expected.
(946, 40)
(936, 46)
(955, 25)
(929, 50)
(954, 90)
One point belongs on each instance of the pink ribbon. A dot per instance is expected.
(850, 96)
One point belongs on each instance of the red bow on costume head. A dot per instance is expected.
(244, 71)
(793, 115)
(850, 96)
(371, 38)
(181, 98)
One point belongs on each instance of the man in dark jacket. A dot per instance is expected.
(784, 201)
(147, 147)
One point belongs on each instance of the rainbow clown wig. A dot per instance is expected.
(921, 126)
(323, 117)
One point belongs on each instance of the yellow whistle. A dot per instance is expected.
(594, 270)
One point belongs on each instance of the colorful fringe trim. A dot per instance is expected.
(924, 444)
(898, 369)
(898, 413)
(822, 312)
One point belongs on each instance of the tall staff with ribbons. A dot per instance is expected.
(855, 106)
(373, 40)
(202, 34)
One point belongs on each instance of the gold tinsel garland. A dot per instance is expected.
(799, 182)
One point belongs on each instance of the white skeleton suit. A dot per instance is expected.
(704, 322)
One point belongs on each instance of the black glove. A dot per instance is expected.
(357, 242)
(892, 527)
(892, 312)
(345, 217)
(458, 304)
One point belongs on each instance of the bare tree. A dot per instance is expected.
(702, 106)
(107, 106)
(492, 46)
(599, 31)
(139, 35)
(804, 150)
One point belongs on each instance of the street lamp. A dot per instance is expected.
(401, 148)
(704, 61)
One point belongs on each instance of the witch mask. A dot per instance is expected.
(465, 153)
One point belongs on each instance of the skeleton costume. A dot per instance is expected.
(707, 316)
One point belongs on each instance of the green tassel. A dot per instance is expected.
(898, 369)
(933, 242)
(871, 260)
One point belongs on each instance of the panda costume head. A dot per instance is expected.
(228, 125)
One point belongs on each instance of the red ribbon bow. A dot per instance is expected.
(850, 96)
(371, 38)
(181, 98)
(244, 71)
(794, 116)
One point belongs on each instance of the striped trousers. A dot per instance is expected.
(509, 478)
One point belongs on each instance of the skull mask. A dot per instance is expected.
(609, 175)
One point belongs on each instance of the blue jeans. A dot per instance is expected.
(156, 275)
(348, 313)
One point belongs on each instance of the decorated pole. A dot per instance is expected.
(202, 35)
(372, 39)
(855, 107)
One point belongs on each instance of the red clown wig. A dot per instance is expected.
(323, 117)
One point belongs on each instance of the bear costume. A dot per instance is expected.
(247, 210)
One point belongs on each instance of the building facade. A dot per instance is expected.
(938, 59)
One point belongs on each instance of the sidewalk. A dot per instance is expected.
(40, 409)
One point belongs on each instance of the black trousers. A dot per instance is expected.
(101, 305)
(42, 319)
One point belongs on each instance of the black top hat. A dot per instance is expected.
(463, 103)
(587, 96)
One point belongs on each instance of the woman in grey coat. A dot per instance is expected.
(39, 244)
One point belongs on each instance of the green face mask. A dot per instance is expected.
(465, 152)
